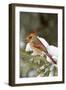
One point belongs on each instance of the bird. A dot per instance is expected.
(37, 46)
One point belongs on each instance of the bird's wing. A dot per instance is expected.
(38, 44)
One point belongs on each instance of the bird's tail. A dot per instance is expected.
(51, 58)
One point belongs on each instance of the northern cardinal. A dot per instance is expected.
(37, 46)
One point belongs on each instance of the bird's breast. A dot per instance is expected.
(37, 51)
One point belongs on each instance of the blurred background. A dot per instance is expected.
(46, 26)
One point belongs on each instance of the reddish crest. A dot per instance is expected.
(34, 33)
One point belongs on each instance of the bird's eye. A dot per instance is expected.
(30, 37)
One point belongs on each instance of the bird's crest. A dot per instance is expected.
(33, 33)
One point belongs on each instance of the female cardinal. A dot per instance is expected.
(37, 46)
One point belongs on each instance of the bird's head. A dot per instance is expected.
(31, 36)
